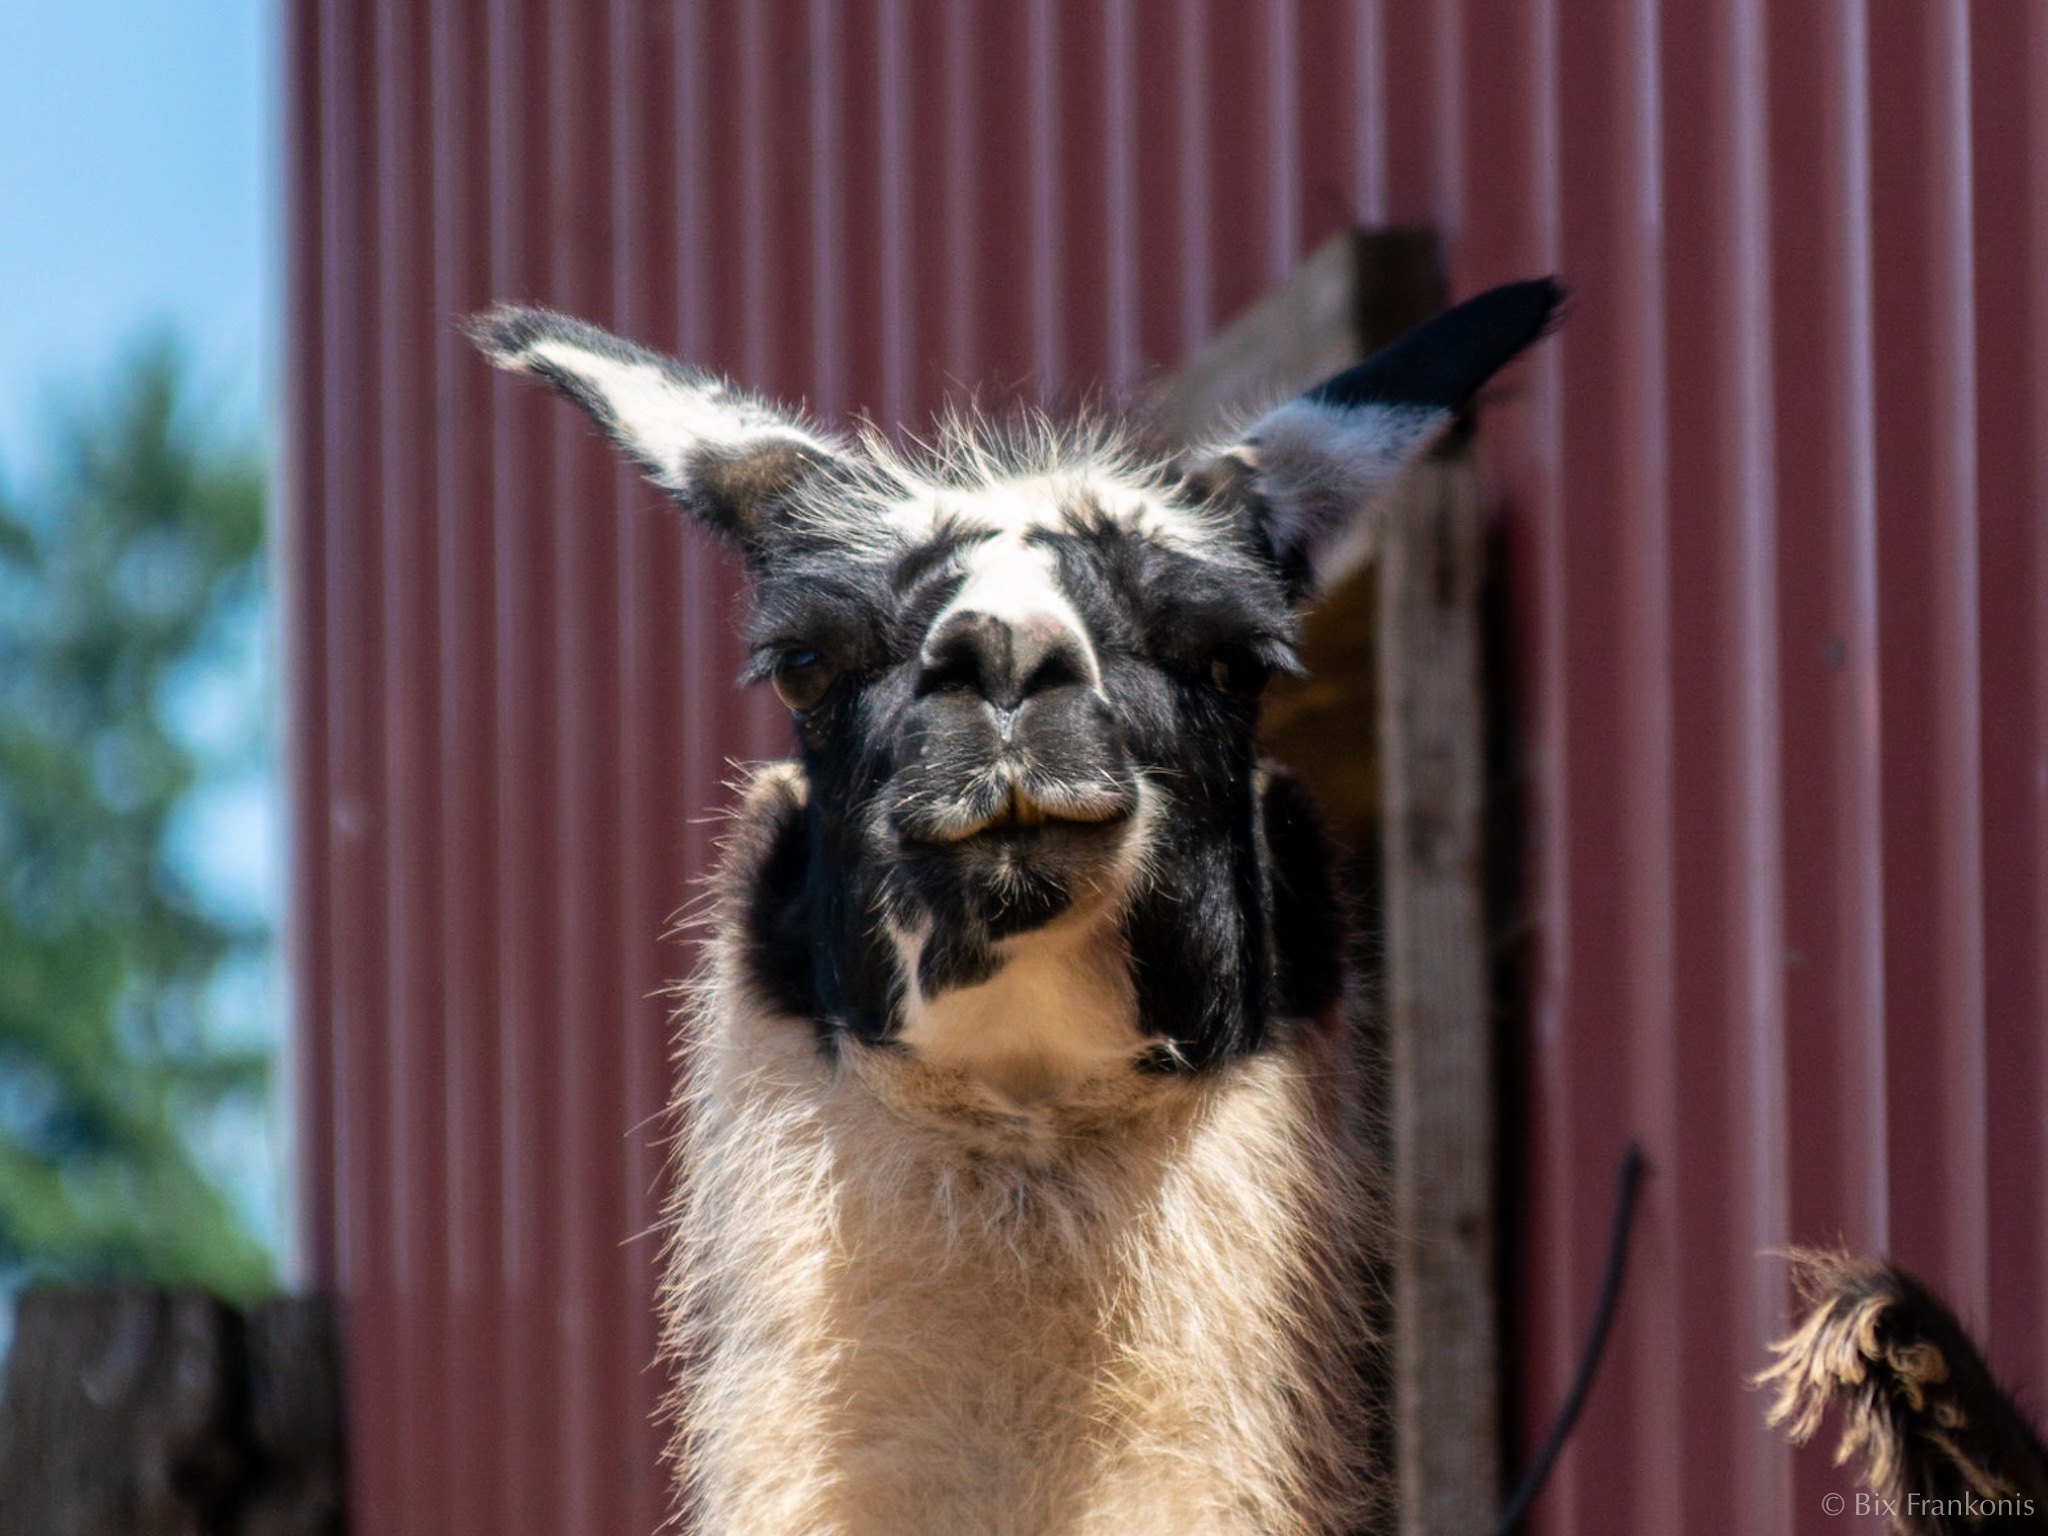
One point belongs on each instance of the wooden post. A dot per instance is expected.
(1304, 330)
(1396, 641)
(154, 1414)
(1439, 1004)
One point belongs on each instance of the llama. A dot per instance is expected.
(1944, 1450)
(1020, 1181)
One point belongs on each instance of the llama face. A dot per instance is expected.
(1024, 667)
(1027, 719)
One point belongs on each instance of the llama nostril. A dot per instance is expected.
(1060, 667)
(1001, 661)
(970, 652)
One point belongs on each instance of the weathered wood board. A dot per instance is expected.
(147, 1413)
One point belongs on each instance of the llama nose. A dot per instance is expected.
(1002, 660)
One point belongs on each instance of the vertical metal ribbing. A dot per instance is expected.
(1771, 577)
(2009, 174)
(405, 845)
(523, 744)
(470, 1403)
(1725, 1157)
(1925, 475)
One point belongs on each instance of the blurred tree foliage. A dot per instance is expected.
(114, 579)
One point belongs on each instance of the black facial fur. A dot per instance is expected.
(974, 775)
(1226, 872)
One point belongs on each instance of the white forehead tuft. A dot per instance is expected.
(1014, 580)
(978, 477)
(1026, 503)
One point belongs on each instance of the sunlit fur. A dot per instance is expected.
(1141, 1310)
(1939, 1443)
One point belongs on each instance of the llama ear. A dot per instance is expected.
(1313, 465)
(729, 459)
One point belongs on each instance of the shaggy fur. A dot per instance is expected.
(1020, 1188)
(1942, 1447)
(1138, 1310)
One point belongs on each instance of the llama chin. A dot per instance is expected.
(1019, 1182)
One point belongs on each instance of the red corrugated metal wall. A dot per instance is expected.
(1778, 580)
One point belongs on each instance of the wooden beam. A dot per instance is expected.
(1353, 293)
(1439, 1004)
(1304, 330)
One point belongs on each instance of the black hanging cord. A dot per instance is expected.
(1627, 1183)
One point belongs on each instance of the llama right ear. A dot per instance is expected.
(728, 458)
(1314, 465)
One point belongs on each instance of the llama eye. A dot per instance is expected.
(1238, 673)
(801, 679)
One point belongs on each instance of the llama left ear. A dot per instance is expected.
(1310, 467)
(733, 461)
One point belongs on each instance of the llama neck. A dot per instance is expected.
(906, 1302)
(1057, 1012)
(913, 1310)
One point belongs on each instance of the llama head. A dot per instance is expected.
(1024, 666)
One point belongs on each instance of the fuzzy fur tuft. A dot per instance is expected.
(1941, 1445)
(902, 1305)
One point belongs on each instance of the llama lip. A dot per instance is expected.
(1022, 814)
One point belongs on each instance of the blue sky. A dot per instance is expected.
(137, 188)
(139, 191)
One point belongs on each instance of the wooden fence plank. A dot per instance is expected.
(154, 1414)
